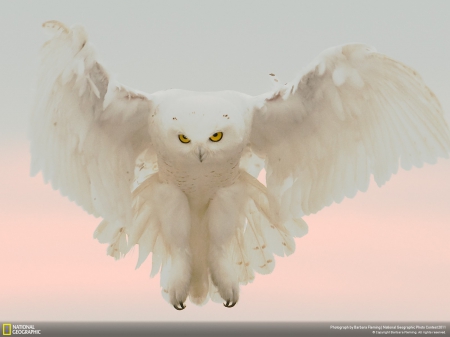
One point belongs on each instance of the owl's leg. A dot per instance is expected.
(224, 216)
(175, 226)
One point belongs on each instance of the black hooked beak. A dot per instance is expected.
(201, 154)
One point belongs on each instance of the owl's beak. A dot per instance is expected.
(201, 154)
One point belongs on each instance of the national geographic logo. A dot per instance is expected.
(9, 329)
(6, 329)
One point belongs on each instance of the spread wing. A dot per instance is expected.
(87, 130)
(351, 114)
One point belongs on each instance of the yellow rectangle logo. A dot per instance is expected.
(6, 329)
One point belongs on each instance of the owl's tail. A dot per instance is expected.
(199, 289)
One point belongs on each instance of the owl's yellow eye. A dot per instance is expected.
(216, 137)
(184, 139)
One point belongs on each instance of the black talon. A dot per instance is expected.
(227, 305)
(182, 306)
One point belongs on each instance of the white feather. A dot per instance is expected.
(357, 116)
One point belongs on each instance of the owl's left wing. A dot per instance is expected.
(353, 113)
(87, 130)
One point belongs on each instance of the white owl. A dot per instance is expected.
(174, 172)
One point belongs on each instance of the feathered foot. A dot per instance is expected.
(227, 284)
(179, 279)
(224, 213)
(178, 292)
(174, 217)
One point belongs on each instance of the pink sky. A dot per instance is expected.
(383, 255)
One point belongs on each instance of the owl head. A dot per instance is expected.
(199, 128)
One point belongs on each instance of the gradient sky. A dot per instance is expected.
(383, 255)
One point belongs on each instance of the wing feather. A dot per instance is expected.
(353, 114)
(87, 130)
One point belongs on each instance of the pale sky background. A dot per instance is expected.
(384, 255)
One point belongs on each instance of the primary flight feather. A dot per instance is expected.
(174, 172)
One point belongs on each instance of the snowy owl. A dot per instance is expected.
(175, 172)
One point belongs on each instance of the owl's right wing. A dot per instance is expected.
(87, 130)
(352, 114)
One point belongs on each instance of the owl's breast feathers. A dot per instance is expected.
(200, 179)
